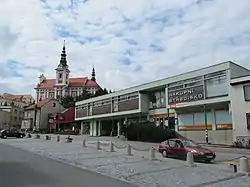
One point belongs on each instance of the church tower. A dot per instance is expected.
(62, 74)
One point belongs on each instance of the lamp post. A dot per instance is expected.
(35, 112)
(206, 131)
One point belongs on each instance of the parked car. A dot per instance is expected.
(179, 148)
(11, 133)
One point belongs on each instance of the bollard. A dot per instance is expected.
(58, 138)
(244, 165)
(152, 153)
(129, 152)
(84, 143)
(98, 145)
(111, 148)
(190, 159)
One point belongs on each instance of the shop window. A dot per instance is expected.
(157, 100)
(217, 86)
(248, 120)
(247, 92)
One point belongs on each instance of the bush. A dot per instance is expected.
(148, 132)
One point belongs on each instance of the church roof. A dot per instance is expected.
(73, 82)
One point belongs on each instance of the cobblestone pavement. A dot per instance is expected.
(137, 169)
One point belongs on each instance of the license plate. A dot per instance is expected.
(210, 157)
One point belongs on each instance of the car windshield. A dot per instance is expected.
(189, 143)
(2, 130)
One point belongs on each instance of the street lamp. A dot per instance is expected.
(206, 130)
(35, 112)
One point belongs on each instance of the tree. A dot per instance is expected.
(85, 95)
(67, 101)
(101, 92)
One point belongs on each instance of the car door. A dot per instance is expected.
(6, 133)
(172, 148)
(180, 151)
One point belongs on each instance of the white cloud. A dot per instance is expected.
(130, 42)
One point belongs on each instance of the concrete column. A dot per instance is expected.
(100, 128)
(213, 120)
(176, 121)
(91, 128)
(118, 129)
(82, 124)
(94, 128)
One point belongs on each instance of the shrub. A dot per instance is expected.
(148, 132)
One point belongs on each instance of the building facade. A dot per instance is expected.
(240, 95)
(13, 108)
(197, 104)
(4, 119)
(63, 85)
(37, 115)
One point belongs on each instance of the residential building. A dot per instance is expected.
(197, 105)
(36, 115)
(14, 105)
(63, 85)
(4, 119)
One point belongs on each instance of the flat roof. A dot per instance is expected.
(179, 77)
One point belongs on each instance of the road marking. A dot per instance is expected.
(231, 163)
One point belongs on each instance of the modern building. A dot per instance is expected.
(37, 115)
(63, 85)
(240, 103)
(199, 105)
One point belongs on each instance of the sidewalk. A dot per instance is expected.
(145, 145)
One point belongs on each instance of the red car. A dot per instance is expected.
(179, 148)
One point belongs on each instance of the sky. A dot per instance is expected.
(129, 42)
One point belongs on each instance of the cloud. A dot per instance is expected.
(129, 42)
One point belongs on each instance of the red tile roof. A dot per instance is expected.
(15, 97)
(73, 82)
(39, 104)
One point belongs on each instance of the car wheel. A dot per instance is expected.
(164, 153)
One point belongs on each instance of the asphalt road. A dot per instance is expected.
(19, 168)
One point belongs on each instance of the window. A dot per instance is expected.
(172, 143)
(60, 75)
(248, 120)
(247, 92)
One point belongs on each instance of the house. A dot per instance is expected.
(14, 105)
(4, 119)
(36, 115)
(63, 85)
(64, 121)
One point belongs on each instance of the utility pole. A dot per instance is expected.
(206, 130)
(35, 112)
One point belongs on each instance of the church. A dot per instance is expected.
(63, 85)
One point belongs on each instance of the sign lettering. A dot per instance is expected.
(186, 95)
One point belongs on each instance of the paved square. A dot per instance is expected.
(137, 169)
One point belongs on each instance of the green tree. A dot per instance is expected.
(85, 95)
(67, 101)
(101, 92)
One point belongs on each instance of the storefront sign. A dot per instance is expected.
(186, 95)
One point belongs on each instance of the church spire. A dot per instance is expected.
(63, 61)
(93, 74)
